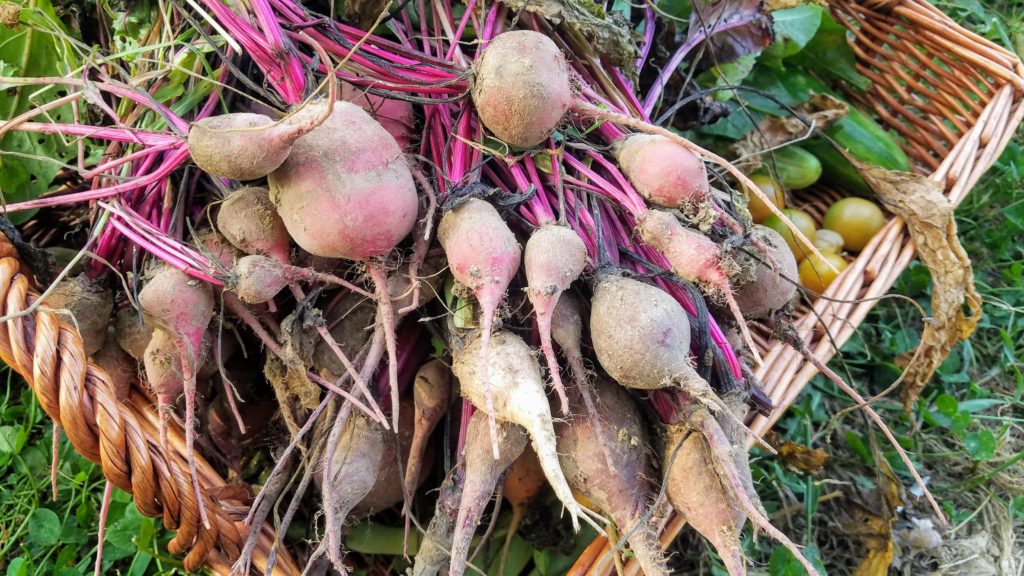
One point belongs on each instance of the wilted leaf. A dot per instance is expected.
(929, 217)
(822, 110)
(724, 30)
(872, 523)
(608, 33)
(798, 456)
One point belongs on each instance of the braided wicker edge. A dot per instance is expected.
(45, 348)
(785, 373)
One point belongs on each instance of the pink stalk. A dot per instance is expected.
(645, 46)
(163, 255)
(114, 134)
(654, 94)
(544, 211)
(179, 156)
(294, 72)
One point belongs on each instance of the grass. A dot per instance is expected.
(39, 535)
(965, 432)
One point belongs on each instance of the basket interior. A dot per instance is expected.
(953, 100)
(931, 80)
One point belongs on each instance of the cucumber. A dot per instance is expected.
(795, 167)
(863, 139)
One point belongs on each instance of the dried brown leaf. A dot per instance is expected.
(800, 457)
(929, 218)
(822, 110)
(872, 523)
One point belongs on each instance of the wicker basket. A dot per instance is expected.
(120, 434)
(956, 100)
(956, 110)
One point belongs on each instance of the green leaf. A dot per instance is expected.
(830, 56)
(729, 74)
(856, 443)
(373, 538)
(960, 422)
(33, 48)
(784, 563)
(17, 567)
(519, 554)
(43, 527)
(946, 404)
(794, 28)
(981, 445)
(122, 533)
(8, 439)
(679, 9)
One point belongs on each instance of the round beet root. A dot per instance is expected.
(521, 87)
(772, 287)
(641, 335)
(345, 190)
(90, 303)
(662, 171)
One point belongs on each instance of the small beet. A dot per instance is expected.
(90, 303)
(133, 334)
(249, 221)
(350, 168)
(641, 335)
(554, 258)
(240, 145)
(484, 256)
(663, 172)
(482, 476)
(518, 394)
(618, 485)
(774, 282)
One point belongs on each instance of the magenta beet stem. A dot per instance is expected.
(175, 160)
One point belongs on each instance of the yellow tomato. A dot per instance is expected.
(816, 275)
(803, 222)
(759, 211)
(828, 241)
(855, 219)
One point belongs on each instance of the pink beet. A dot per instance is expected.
(182, 308)
(663, 172)
(555, 258)
(351, 169)
(521, 87)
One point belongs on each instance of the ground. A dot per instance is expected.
(965, 433)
